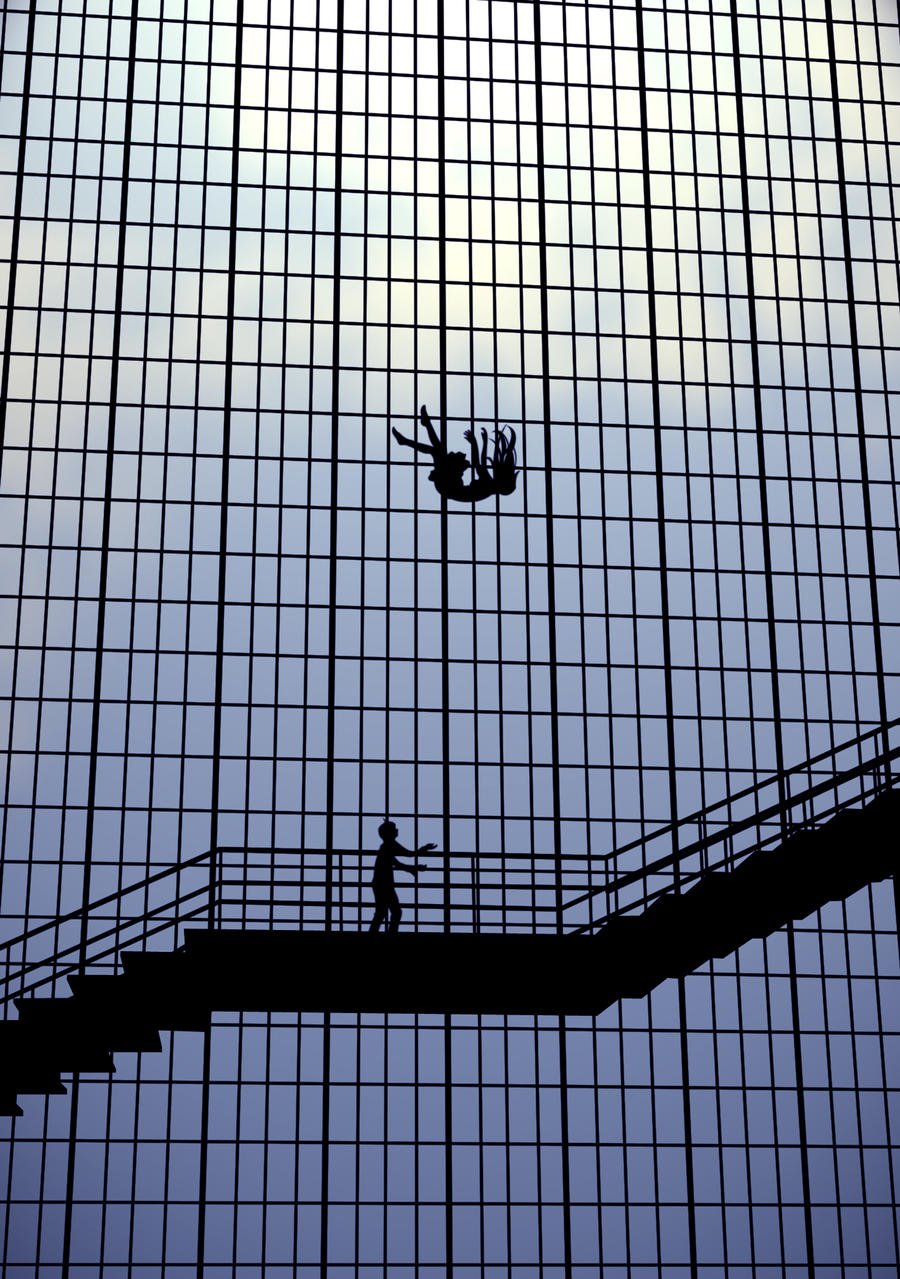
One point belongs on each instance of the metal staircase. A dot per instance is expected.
(576, 973)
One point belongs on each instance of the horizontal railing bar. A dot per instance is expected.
(105, 901)
(728, 831)
(771, 779)
(266, 903)
(467, 855)
(128, 922)
(662, 863)
(71, 968)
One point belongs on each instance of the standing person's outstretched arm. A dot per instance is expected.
(412, 870)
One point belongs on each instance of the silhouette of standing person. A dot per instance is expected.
(386, 861)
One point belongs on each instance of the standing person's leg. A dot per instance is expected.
(396, 911)
(381, 910)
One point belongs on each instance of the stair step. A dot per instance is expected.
(83, 1063)
(93, 987)
(28, 1048)
(40, 1085)
(79, 1019)
(38, 1013)
(280, 970)
(152, 966)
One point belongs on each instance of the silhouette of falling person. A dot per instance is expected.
(386, 861)
(492, 475)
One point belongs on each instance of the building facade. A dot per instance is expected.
(240, 626)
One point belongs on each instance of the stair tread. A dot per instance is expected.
(534, 974)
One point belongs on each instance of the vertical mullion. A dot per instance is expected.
(665, 623)
(203, 1169)
(443, 409)
(857, 385)
(254, 553)
(859, 406)
(555, 772)
(221, 605)
(473, 520)
(759, 422)
(880, 292)
(332, 607)
(331, 743)
(720, 645)
(285, 331)
(890, 224)
(827, 1034)
(388, 489)
(168, 1139)
(236, 1175)
(523, 352)
(598, 1097)
(862, 445)
(135, 577)
(576, 427)
(93, 769)
(501, 913)
(614, 806)
(19, 642)
(221, 610)
(364, 451)
(307, 575)
(707, 337)
(878, 979)
(17, 217)
(181, 151)
(548, 463)
(79, 543)
(388, 740)
(90, 801)
(745, 1113)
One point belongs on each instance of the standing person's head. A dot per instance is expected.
(387, 830)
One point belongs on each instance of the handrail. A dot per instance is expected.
(771, 779)
(728, 832)
(120, 925)
(12, 984)
(111, 950)
(103, 901)
(725, 833)
(690, 819)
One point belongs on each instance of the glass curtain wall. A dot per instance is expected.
(244, 241)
